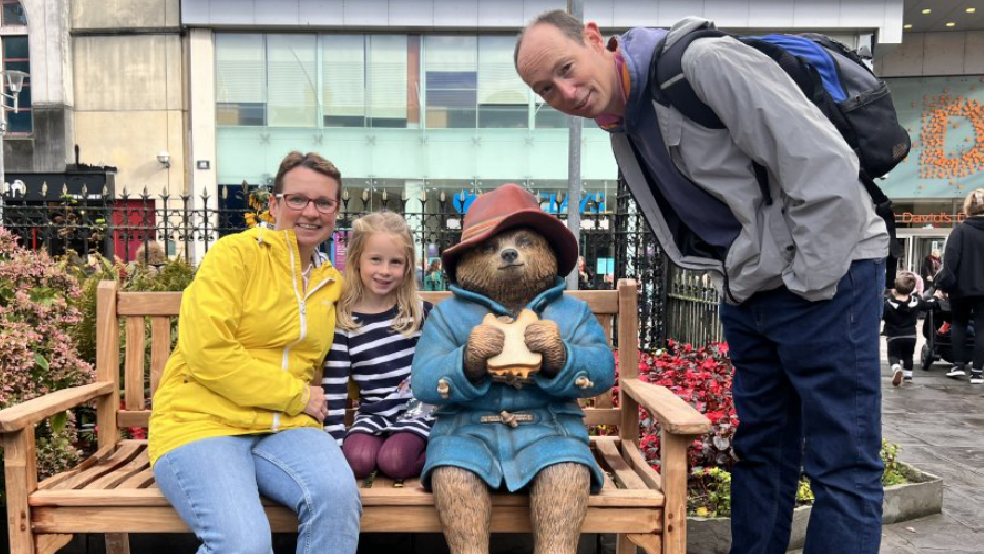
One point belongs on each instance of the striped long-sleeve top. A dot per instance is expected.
(378, 359)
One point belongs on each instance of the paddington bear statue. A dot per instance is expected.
(510, 432)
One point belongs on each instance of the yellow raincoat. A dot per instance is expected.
(249, 340)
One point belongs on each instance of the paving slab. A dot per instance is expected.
(939, 423)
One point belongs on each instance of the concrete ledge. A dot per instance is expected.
(920, 497)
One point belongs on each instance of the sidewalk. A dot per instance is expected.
(939, 423)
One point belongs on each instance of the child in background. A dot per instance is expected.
(900, 314)
(379, 317)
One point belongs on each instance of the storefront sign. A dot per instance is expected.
(937, 218)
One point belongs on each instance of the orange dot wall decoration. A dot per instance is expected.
(945, 119)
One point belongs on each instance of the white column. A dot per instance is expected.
(202, 148)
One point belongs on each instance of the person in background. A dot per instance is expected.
(379, 319)
(585, 277)
(930, 267)
(150, 255)
(236, 416)
(962, 277)
(900, 315)
(433, 278)
(797, 251)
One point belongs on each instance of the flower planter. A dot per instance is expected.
(920, 497)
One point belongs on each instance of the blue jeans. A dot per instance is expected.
(808, 370)
(215, 485)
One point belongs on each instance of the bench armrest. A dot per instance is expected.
(32, 411)
(675, 416)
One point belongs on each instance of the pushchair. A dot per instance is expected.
(937, 329)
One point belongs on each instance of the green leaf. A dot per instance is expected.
(58, 421)
(43, 295)
(39, 359)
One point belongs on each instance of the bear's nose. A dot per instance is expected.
(510, 255)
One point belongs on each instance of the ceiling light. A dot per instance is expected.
(950, 24)
(927, 11)
(971, 10)
(907, 26)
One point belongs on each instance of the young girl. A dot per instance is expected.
(378, 324)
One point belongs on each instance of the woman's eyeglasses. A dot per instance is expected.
(298, 202)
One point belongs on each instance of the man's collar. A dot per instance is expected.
(613, 122)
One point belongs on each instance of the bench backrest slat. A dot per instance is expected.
(160, 349)
(134, 363)
(160, 308)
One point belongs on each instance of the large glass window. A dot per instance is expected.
(12, 13)
(15, 57)
(344, 73)
(451, 81)
(547, 117)
(387, 98)
(292, 81)
(503, 98)
(240, 79)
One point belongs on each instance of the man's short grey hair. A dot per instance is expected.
(566, 23)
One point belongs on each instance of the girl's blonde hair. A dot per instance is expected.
(410, 311)
(974, 203)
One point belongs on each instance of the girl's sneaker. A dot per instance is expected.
(956, 371)
(906, 375)
(896, 374)
(977, 377)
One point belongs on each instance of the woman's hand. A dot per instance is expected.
(317, 406)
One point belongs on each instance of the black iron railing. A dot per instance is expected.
(671, 304)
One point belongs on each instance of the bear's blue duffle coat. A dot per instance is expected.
(496, 452)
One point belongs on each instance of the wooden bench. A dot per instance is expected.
(113, 491)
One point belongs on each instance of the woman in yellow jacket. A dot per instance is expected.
(235, 416)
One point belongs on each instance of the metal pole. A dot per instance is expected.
(574, 126)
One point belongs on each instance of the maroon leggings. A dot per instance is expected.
(399, 456)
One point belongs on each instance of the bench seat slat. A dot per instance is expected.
(55, 480)
(406, 496)
(624, 475)
(141, 480)
(123, 455)
(381, 519)
(114, 478)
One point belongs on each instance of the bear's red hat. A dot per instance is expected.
(507, 207)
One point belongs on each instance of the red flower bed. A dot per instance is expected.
(702, 377)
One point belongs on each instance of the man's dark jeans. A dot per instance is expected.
(807, 389)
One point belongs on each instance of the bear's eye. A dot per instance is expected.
(523, 241)
(488, 247)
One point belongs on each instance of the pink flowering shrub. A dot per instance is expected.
(37, 352)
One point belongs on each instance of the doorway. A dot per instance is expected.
(919, 243)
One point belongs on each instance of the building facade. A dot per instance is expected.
(418, 98)
(105, 98)
(937, 82)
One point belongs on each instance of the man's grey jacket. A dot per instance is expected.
(820, 218)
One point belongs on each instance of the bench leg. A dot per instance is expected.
(21, 475)
(673, 468)
(117, 543)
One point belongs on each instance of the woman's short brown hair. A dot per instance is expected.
(312, 161)
(974, 203)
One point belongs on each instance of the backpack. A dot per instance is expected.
(833, 78)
